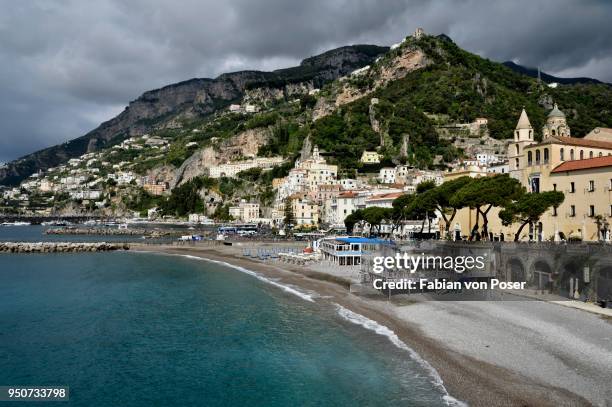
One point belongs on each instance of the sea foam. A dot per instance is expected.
(286, 288)
(374, 326)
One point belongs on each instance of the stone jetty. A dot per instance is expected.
(60, 247)
(109, 232)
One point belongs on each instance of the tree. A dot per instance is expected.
(483, 194)
(222, 213)
(375, 216)
(529, 208)
(351, 220)
(289, 217)
(443, 198)
(422, 207)
(425, 186)
(399, 205)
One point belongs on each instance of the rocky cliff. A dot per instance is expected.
(191, 98)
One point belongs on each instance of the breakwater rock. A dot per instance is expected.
(109, 232)
(60, 247)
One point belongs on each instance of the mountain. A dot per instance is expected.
(370, 98)
(533, 72)
(397, 105)
(192, 98)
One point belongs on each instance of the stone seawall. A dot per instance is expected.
(111, 232)
(60, 247)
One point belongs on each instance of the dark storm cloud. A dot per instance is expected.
(67, 65)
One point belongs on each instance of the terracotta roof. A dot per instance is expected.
(384, 197)
(348, 194)
(597, 162)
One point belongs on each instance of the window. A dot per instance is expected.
(591, 211)
(572, 211)
(610, 213)
(546, 156)
(554, 187)
(529, 158)
(572, 187)
(562, 155)
(530, 134)
(516, 163)
(535, 185)
(572, 154)
(537, 155)
(590, 154)
(591, 186)
(554, 211)
(581, 155)
(517, 149)
(600, 154)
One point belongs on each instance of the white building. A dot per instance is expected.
(245, 211)
(499, 168)
(233, 168)
(387, 175)
(382, 200)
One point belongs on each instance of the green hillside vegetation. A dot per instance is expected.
(462, 86)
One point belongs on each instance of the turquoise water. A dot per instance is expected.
(135, 329)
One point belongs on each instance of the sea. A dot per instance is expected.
(142, 329)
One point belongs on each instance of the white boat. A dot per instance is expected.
(16, 224)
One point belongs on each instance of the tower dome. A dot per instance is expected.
(556, 124)
(556, 112)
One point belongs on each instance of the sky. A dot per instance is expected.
(68, 65)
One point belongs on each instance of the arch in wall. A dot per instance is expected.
(541, 275)
(515, 271)
(604, 283)
(571, 270)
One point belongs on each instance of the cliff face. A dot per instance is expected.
(191, 98)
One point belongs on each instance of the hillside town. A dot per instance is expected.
(314, 196)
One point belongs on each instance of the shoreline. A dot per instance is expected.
(464, 377)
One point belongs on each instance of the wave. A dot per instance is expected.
(379, 329)
(286, 288)
(350, 316)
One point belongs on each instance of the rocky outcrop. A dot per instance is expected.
(60, 247)
(244, 144)
(408, 61)
(194, 97)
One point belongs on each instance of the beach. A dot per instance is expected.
(512, 353)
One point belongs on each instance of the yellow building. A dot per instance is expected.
(305, 210)
(370, 157)
(472, 171)
(581, 168)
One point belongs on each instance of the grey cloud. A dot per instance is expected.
(67, 65)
